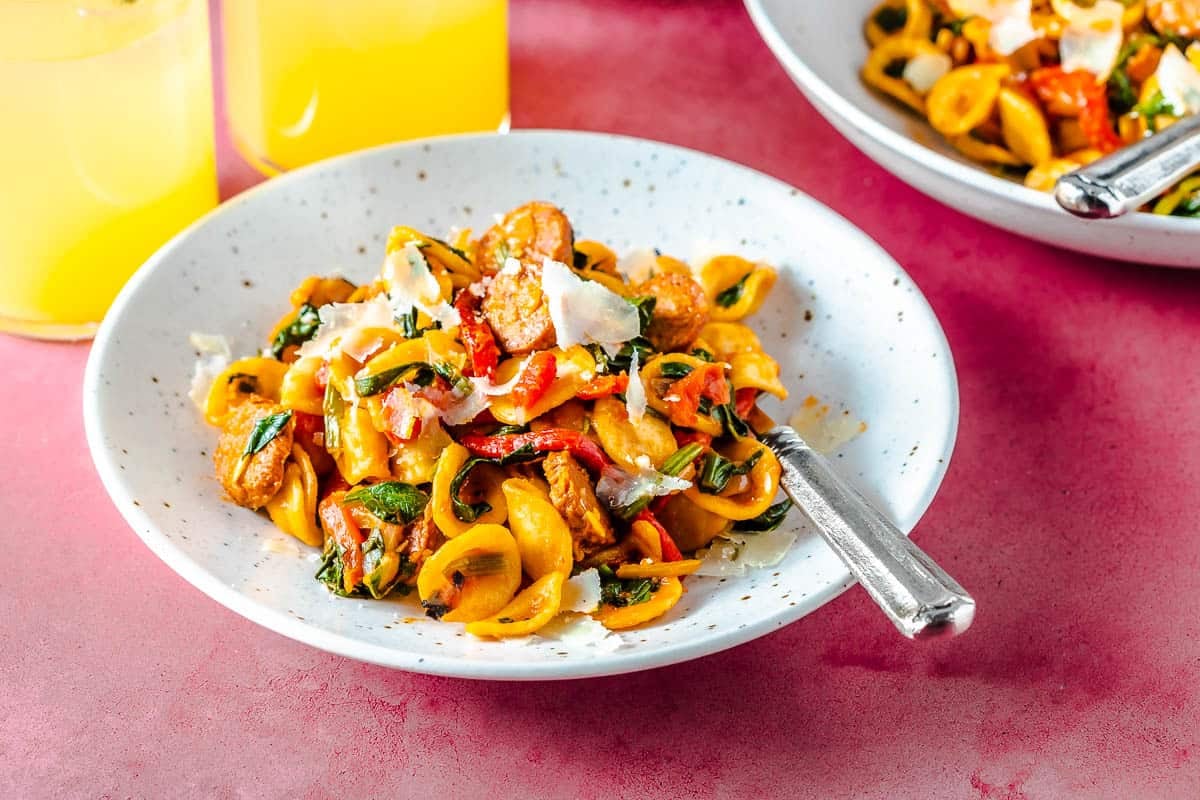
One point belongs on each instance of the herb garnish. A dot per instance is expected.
(716, 471)
(302, 328)
(765, 522)
(391, 501)
(467, 512)
(730, 296)
(381, 381)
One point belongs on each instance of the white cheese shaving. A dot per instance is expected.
(1179, 81)
(511, 267)
(338, 320)
(635, 393)
(585, 312)
(731, 553)
(823, 430)
(285, 545)
(215, 356)
(1011, 23)
(925, 69)
(410, 284)
(1092, 39)
(582, 593)
(580, 630)
(637, 265)
(618, 488)
(721, 560)
(763, 549)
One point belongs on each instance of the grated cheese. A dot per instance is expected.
(1011, 21)
(637, 265)
(582, 593)
(580, 630)
(635, 393)
(619, 488)
(410, 284)
(925, 69)
(1092, 39)
(215, 356)
(1179, 81)
(338, 320)
(585, 312)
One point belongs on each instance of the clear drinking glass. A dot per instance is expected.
(106, 150)
(307, 79)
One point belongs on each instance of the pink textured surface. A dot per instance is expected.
(1069, 510)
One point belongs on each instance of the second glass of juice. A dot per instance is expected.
(307, 79)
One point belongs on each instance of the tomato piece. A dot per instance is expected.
(743, 401)
(683, 397)
(307, 429)
(685, 437)
(1076, 94)
(341, 526)
(482, 353)
(536, 377)
(585, 450)
(603, 386)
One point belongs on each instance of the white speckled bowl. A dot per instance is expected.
(845, 321)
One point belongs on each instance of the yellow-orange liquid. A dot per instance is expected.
(106, 150)
(307, 79)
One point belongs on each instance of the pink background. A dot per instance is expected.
(1069, 510)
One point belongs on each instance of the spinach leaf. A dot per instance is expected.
(731, 295)
(765, 522)
(452, 249)
(645, 309)
(702, 354)
(678, 461)
(381, 381)
(620, 362)
(302, 328)
(330, 571)
(459, 382)
(467, 512)
(1189, 207)
(1121, 95)
(717, 471)
(391, 501)
(1155, 105)
(733, 424)
(675, 370)
(620, 593)
(265, 431)
(579, 259)
(333, 406)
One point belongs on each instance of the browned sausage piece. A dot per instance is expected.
(530, 233)
(572, 494)
(262, 475)
(516, 310)
(680, 310)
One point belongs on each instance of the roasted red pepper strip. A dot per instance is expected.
(670, 551)
(340, 525)
(586, 451)
(603, 386)
(477, 338)
(536, 377)
(685, 437)
(743, 401)
(1077, 94)
(683, 396)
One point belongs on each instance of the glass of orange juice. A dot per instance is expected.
(307, 79)
(106, 150)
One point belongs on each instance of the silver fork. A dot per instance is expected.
(1127, 179)
(917, 595)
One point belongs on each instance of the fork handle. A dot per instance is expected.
(916, 594)
(1128, 178)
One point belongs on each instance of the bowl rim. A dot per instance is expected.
(971, 176)
(195, 573)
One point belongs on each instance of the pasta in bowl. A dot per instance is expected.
(1034, 90)
(518, 430)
